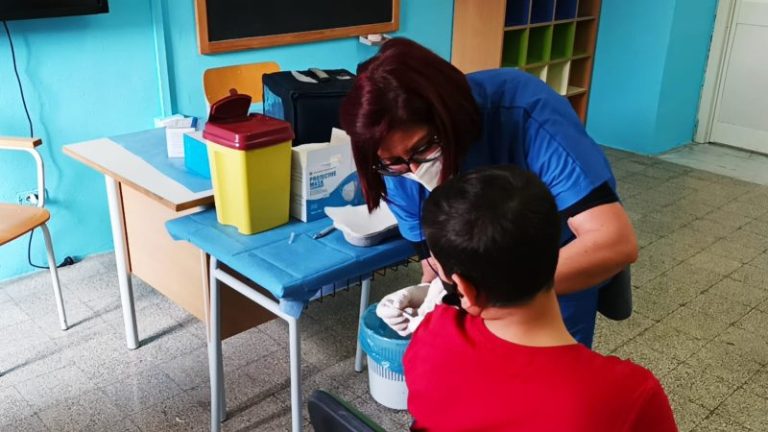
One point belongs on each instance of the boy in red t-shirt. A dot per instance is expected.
(505, 361)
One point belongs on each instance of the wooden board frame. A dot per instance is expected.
(214, 47)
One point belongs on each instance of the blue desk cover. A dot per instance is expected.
(295, 272)
(150, 146)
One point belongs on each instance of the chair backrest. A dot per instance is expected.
(330, 414)
(28, 145)
(245, 78)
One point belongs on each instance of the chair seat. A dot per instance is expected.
(17, 220)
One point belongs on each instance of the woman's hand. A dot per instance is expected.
(605, 243)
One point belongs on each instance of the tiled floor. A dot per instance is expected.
(700, 323)
(721, 159)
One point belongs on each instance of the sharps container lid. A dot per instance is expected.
(230, 125)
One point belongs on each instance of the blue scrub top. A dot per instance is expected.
(524, 123)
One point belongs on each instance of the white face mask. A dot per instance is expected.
(428, 174)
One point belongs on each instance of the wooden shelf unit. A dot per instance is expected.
(551, 39)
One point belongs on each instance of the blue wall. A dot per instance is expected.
(83, 77)
(653, 54)
(93, 76)
(429, 22)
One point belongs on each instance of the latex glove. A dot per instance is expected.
(398, 308)
(404, 310)
(433, 298)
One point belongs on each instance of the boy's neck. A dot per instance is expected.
(537, 323)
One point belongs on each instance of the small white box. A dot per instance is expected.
(174, 141)
(323, 175)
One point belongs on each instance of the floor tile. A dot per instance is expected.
(746, 343)
(701, 387)
(696, 323)
(717, 423)
(43, 392)
(688, 414)
(670, 341)
(719, 264)
(721, 360)
(746, 294)
(91, 411)
(15, 406)
(137, 392)
(658, 363)
(180, 413)
(746, 408)
(724, 308)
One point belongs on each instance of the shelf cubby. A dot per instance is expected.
(538, 71)
(563, 41)
(584, 38)
(542, 11)
(588, 8)
(553, 40)
(518, 13)
(565, 9)
(515, 48)
(539, 45)
(558, 75)
(578, 76)
(579, 102)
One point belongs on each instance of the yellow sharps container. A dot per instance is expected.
(250, 158)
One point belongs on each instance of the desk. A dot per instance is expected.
(292, 271)
(142, 196)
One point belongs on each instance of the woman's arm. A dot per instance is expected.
(605, 243)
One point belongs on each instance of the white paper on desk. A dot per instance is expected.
(174, 141)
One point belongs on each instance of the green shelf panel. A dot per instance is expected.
(515, 48)
(563, 38)
(539, 45)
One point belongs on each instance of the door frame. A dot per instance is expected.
(724, 18)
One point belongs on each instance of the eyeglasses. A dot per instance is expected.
(427, 152)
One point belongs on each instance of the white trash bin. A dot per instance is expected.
(385, 350)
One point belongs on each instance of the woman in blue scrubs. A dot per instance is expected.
(415, 120)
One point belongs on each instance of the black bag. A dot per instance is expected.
(614, 300)
(308, 100)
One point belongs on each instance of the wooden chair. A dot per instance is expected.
(17, 220)
(244, 78)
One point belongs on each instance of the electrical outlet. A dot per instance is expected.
(27, 198)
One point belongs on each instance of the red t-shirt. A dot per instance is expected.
(461, 377)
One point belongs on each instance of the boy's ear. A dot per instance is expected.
(469, 295)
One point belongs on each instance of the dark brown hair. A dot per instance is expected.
(404, 85)
(499, 228)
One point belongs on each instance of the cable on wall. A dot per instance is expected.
(68, 260)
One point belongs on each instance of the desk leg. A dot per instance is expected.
(215, 361)
(365, 294)
(295, 349)
(121, 259)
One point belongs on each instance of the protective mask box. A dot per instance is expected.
(323, 175)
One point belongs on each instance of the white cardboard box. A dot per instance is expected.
(323, 175)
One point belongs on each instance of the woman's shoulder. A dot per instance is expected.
(508, 88)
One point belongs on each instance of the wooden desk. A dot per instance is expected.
(141, 199)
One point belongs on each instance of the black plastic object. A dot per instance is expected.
(329, 414)
(312, 108)
(615, 297)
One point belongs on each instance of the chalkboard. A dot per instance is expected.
(231, 25)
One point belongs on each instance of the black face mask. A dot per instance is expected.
(452, 296)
